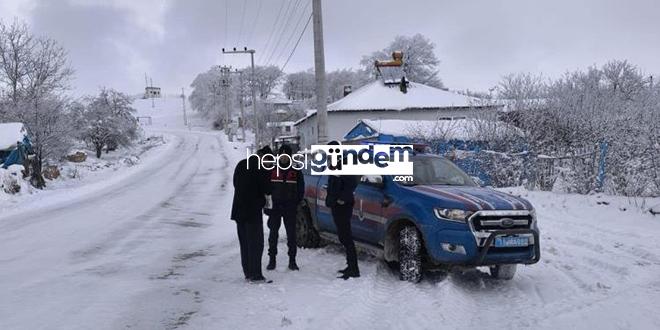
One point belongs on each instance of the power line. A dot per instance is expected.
(278, 45)
(297, 42)
(272, 31)
(291, 36)
(240, 31)
(279, 39)
(256, 21)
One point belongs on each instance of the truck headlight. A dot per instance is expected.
(452, 214)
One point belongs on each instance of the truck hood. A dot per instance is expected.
(474, 198)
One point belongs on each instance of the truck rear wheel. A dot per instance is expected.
(503, 272)
(306, 234)
(410, 254)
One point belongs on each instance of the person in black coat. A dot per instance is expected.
(340, 199)
(288, 187)
(251, 190)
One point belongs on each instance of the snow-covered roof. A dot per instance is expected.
(308, 114)
(277, 99)
(279, 123)
(459, 129)
(378, 96)
(10, 133)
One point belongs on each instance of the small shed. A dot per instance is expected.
(151, 92)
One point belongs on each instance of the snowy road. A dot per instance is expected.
(157, 250)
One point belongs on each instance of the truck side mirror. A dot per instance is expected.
(374, 180)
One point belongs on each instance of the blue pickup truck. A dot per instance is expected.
(439, 218)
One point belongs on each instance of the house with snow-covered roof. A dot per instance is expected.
(378, 100)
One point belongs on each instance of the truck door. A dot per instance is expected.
(368, 223)
(323, 213)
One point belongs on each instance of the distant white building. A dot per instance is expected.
(277, 104)
(379, 101)
(151, 92)
(283, 127)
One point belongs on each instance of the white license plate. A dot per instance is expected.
(511, 241)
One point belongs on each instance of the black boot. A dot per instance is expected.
(350, 272)
(271, 263)
(260, 280)
(343, 271)
(292, 264)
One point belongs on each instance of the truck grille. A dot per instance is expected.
(495, 222)
(482, 223)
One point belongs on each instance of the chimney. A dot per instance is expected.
(347, 89)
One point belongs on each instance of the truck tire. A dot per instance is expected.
(503, 272)
(306, 234)
(410, 254)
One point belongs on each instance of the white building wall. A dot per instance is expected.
(340, 122)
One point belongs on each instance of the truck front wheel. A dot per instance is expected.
(503, 272)
(410, 254)
(306, 234)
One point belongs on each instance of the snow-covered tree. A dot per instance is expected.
(107, 121)
(570, 119)
(419, 60)
(34, 71)
(266, 78)
(300, 85)
(345, 77)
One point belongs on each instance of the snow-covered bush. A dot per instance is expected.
(569, 120)
(11, 180)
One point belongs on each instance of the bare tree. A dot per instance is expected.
(16, 46)
(34, 71)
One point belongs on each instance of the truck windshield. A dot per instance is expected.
(438, 171)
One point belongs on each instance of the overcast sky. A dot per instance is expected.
(114, 43)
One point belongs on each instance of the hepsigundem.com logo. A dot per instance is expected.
(374, 159)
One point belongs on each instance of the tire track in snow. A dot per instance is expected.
(139, 222)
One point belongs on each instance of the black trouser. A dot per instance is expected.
(251, 239)
(341, 214)
(286, 211)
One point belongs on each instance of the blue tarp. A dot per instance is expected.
(16, 156)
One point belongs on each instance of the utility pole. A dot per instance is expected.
(183, 103)
(153, 105)
(254, 91)
(319, 68)
(225, 70)
(240, 101)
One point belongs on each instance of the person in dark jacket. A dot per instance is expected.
(340, 200)
(288, 188)
(251, 190)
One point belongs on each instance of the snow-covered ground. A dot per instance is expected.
(91, 176)
(156, 249)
